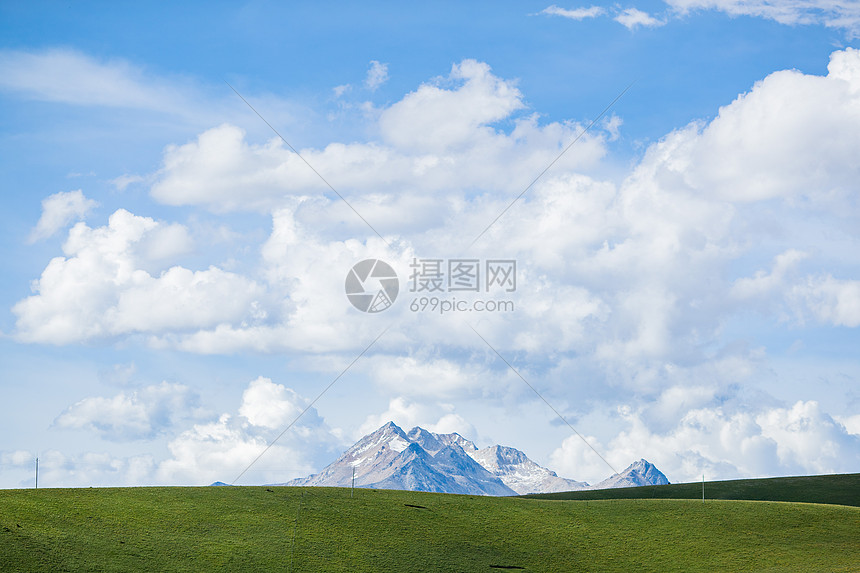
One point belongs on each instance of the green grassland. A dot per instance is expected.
(838, 489)
(324, 529)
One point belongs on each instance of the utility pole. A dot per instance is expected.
(703, 488)
(352, 491)
(37, 472)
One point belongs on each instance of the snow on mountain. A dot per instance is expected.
(390, 459)
(521, 474)
(637, 474)
(424, 461)
(435, 442)
(368, 457)
(449, 470)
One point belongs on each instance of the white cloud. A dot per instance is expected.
(830, 300)
(810, 439)
(632, 18)
(100, 288)
(619, 281)
(18, 458)
(437, 377)
(222, 449)
(376, 75)
(60, 209)
(842, 15)
(575, 13)
(827, 299)
(57, 469)
(435, 118)
(436, 417)
(435, 142)
(832, 13)
(851, 423)
(123, 181)
(791, 136)
(270, 405)
(764, 284)
(216, 450)
(68, 76)
(758, 442)
(132, 415)
(636, 270)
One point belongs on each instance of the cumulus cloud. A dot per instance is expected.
(822, 297)
(633, 270)
(621, 278)
(140, 414)
(630, 270)
(438, 139)
(100, 288)
(217, 449)
(58, 469)
(270, 405)
(222, 449)
(790, 137)
(632, 18)
(59, 210)
(433, 377)
(433, 117)
(438, 417)
(722, 444)
(17, 458)
(830, 300)
(763, 284)
(851, 423)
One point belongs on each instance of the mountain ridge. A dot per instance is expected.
(420, 460)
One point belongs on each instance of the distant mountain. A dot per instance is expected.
(637, 474)
(521, 474)
(421, 460)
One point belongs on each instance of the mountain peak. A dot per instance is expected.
(421, 460)
(637, 474)
(520, 473)
(425, 439)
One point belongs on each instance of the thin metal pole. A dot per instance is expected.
(352, 491)
(37, 472)
(703, 488)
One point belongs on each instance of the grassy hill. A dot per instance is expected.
(841, 489)
(324, 529)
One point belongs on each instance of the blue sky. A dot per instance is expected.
(688, 278)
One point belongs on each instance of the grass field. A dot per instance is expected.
(324, 529)
(841, 489)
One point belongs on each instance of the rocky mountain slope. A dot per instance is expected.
(420, 460)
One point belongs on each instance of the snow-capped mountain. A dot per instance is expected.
(420, 460)
(521, 474)
(390, 459)
(638, 473)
